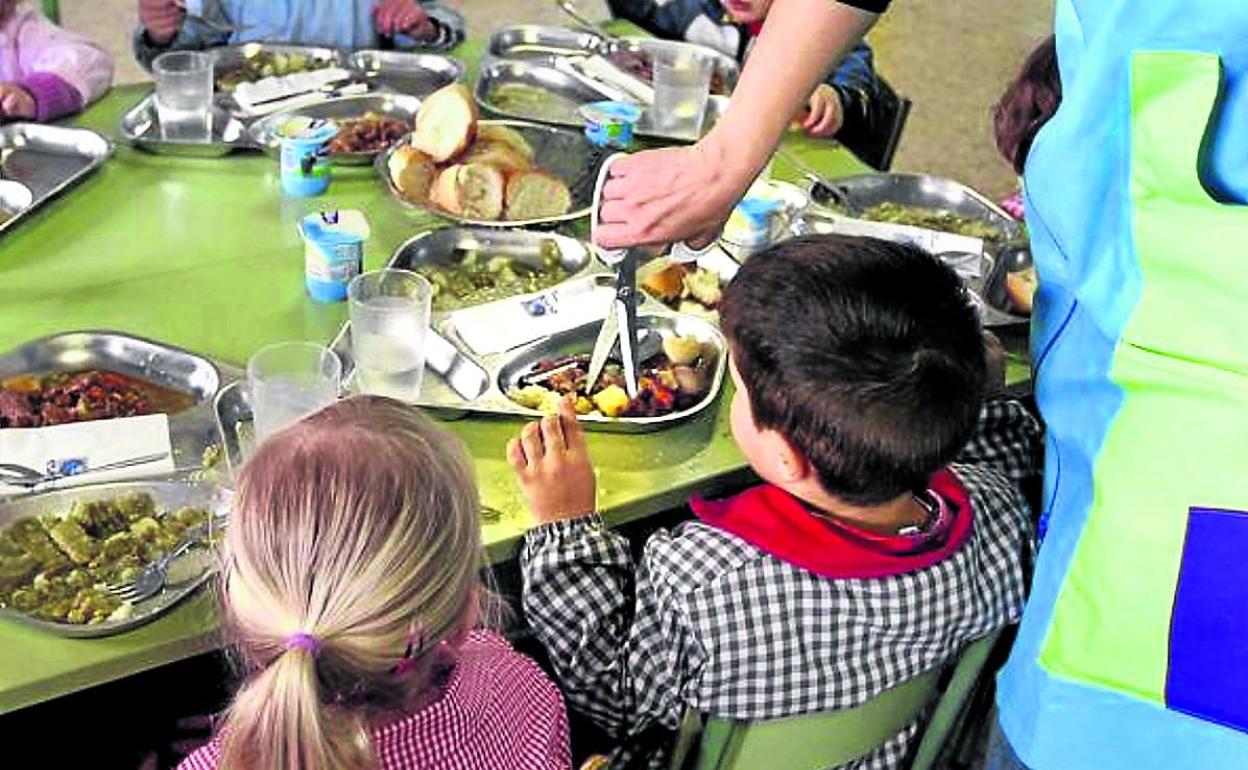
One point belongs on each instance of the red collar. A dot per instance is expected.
(754, 28)
(774, 521)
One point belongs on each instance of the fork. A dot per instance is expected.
(217, 26)
(152, 578)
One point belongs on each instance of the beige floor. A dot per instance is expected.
(952, 57)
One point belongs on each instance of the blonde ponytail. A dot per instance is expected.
(351, 529)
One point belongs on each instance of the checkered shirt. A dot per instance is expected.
(709, 621)
(498, 712)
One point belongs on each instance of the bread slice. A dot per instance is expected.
(446, 123)
(472, 190)
(1020, 287)
(492, 132)
(536, 194)
(501, 156)
(412, 172)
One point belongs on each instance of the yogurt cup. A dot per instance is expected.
(610, 124)
(333, 252)
(304, 163)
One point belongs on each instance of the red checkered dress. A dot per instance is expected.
(499, 712)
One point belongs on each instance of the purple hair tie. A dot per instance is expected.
(303, 641)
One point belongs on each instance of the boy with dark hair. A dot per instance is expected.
(890, 531)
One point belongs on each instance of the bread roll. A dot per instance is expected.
(536, 194)
(472, 190)
(501, 156)
(446, 123)
(412, 172)
(506, 135)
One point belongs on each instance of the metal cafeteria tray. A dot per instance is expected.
(46, 160)
(558, 151)
(414, 74)
(228, 58)
(264, 132)
(186, 573)
(190, 431)
(140, 127)
(565, 95)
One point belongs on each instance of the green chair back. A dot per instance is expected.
(52, 9)
(831, 738)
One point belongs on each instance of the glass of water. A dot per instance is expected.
(184, 95)
(682, 85)
(289, 380)
(389, 316)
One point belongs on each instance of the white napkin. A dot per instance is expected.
(501, 326)
(96, 443)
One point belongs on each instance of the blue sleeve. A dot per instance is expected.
(668, 20)
(856, 71)
(191, 37)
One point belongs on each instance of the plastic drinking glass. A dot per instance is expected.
(184, 95)
(389, 316)
(682, 85)
(289, 380)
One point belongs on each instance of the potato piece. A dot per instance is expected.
(446, 123)
(666, 284)
(536, 194)
(611, 400)
(682, 350)
(412, 172)
(74, 541)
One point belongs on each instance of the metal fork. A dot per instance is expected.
(152, 578)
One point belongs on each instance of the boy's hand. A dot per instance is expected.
(160, 19)
(824, 113)
(552, 465)
(402, 16)
(16, 103)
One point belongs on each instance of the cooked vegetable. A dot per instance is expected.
(479, 277)
(533, 102)
(264, 64)
(933, 219)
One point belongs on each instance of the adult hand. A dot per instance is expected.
(393, 17)
(664, 196)
(551, 462)
(16, 103)
(824, 113)
(161, 19)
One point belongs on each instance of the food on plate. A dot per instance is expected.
(369, 133)
(55, 567)
(536, 195)
(1020, 288)
(664, 385)
(685, 288)
(479, 277)
(261, 64)
(33, 401)
(533, 102)
(412, 173)
(481, 172)
(472, 190)
(933, 219)
(446, 123)
(640, 65)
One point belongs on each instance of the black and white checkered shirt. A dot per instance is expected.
(709, 621)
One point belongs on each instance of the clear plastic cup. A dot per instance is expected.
(289, 380)
(184, 95)
(389, 317)
(682, 85)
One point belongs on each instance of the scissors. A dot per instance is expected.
(620, 325)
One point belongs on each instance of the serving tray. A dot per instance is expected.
(263, 132)
(45, 161)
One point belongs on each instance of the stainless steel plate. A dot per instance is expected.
(46, 160)
(186, 573)
(140, 127)
(538, 40)
(565, 154)
(228, 58)
(15, 198)
(725, 66)
(560, 97)
(264, 132)
(190, 431)
(414, 74)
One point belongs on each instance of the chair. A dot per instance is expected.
(52, 9)
(832, 738)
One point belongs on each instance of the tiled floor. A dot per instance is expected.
(952, 57)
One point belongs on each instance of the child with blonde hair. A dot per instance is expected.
(351, 592)
(45, 71)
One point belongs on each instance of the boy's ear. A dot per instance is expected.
(791, 465)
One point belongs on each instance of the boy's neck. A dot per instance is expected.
(887, 518)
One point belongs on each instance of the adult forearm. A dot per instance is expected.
(800, 42)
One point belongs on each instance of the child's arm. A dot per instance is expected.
(848, 99)
(424, 25)
(618, 641)
(62, 71)
(162, 28)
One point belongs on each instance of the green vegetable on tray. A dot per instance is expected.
(933, 219)
(478, 278)
(264, 64)
(55, 567)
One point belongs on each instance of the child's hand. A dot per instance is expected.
(552, 465)
(161, 19)
(402, 16)
(824, 113)
(16, 103)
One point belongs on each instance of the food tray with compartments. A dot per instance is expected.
(39, 162)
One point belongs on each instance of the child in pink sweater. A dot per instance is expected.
(46, 72)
